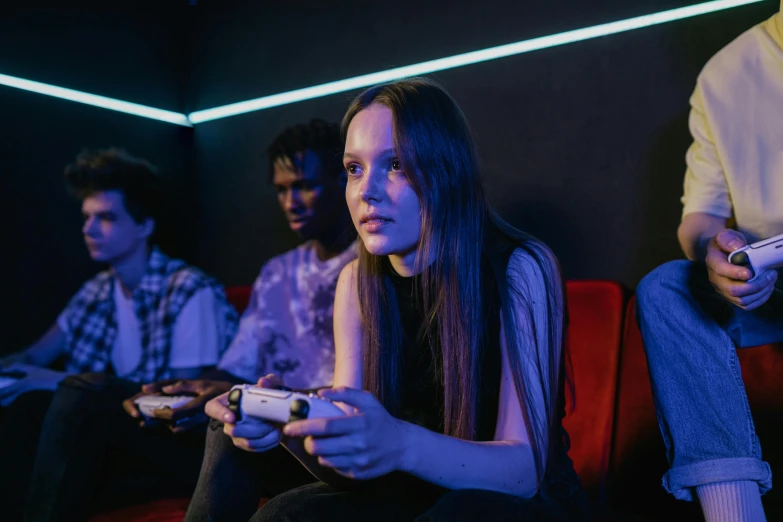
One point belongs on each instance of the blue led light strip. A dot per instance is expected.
(95, 100)
(460, 60)
(366, 80)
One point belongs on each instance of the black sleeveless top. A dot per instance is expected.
(421, 381)
(421, 369)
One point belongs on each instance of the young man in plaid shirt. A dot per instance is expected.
(146, 317)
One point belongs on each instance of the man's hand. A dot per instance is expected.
(35, 379)
(730, 281)
(186, 416)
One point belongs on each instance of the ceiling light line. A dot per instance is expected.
(460, 60)
(95, 100)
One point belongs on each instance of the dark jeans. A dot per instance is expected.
(233, 481)
(92, 456)
(20, 429)
(320, 502)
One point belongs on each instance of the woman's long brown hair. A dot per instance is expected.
(458, 229)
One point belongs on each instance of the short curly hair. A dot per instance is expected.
(318, 136)
(115, 169)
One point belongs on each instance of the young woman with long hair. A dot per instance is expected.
(449, 337)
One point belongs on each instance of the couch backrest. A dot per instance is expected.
(595, 311)
(239, 296)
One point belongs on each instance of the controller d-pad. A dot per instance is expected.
(299, 410)
(234, 398)
(740, 259)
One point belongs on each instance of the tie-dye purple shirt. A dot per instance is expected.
(287, 327)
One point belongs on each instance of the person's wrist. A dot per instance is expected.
(408, 451)
(56, 377)
(703, 247)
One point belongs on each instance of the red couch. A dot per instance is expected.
(610, 417)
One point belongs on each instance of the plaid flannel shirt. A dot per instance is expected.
(161, 295)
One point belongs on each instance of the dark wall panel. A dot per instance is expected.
(583, 144)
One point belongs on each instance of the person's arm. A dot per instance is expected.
(696, 231)
(706, 199)
(505, 465)
(36, 378)
(241, 358)
(347, 366)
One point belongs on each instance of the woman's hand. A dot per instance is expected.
(367, 443)
(250, 434)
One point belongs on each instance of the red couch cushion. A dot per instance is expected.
(239, 296)
(164, 510)
(638, 459)
(595, 324)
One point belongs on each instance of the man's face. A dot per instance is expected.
(310, 201)
(109, 231)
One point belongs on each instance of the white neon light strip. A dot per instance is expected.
(367, 80)
(97, 101)
(460, 60)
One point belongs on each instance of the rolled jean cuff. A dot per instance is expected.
(682, 481)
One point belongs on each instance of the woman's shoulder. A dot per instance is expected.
(347, 281)
(533, 269)
(348, 273)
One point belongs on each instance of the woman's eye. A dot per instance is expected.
(396, 165)
(352, 169)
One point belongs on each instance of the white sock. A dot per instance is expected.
(738, 501)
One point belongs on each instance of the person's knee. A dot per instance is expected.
(83, 392)
(93, 381)
(285, 507)
(660, 286)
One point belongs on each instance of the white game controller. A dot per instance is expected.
(147, 404)
(760, 256)
(278, 405)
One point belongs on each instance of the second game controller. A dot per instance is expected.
(759, 256)
(147, 404)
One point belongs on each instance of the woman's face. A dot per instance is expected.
(384, 207)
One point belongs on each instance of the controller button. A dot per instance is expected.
(740, 259)
(299, 410)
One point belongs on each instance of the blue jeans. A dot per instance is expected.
(690, 338)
